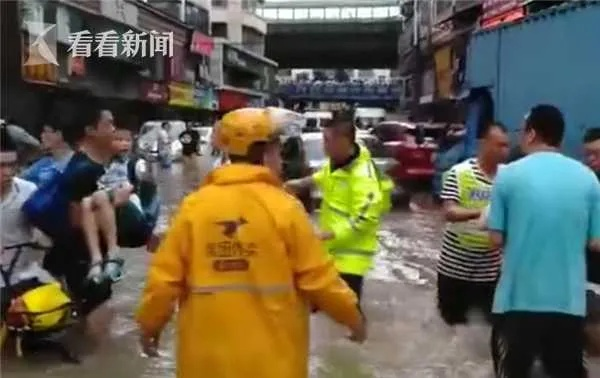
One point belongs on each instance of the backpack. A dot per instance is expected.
(48, 207)
(148, 194)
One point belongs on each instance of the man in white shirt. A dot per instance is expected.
(25, 272)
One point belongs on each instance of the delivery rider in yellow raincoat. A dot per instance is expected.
(242, 262)
(354, 196)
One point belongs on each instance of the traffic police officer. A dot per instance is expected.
(355, 195)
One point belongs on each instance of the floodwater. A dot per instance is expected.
(406, 337)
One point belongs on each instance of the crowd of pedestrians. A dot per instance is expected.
(241, 259)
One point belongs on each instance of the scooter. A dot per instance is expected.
(36, 315)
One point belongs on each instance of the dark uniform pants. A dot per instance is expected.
(518, 338)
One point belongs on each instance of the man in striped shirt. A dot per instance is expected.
(468, 265)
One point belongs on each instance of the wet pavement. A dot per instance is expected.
(406, 337)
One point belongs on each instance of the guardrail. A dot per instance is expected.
(330, 13)
(340, 91)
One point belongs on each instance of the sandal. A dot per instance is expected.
(95, 276)
(113, 269)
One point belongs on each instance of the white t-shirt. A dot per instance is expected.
(15, 229)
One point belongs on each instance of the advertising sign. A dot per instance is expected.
(201, 44)
(182, 94)
(154, 92)
(494, 8)
(204, 95)
(443, 72)
(230, 100)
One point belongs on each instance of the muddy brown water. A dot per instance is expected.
(406, 337)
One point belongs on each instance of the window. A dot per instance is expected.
(317, 13)
(270, 13)
(301, 13)
(197, 17)
(219, 29)
(169, 7)
(219, 3)
(348, 13)
(332, 13)
(249, 5)
(364, 12)
(253, 40)
(36, 11)
(285, 14)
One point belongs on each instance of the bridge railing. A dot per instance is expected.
(351, 91)
(329, 13)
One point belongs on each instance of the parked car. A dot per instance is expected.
(147, 140)
(315, 120)
(414, 151)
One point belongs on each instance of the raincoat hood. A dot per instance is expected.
(232, 174)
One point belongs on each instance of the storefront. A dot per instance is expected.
(204, 95)
(153, 98)
(182, 95)
(230, 100)
(247, 71)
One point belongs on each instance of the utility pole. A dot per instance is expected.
(416, 16)
(182, 6)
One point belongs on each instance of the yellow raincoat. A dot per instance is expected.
(242, 261)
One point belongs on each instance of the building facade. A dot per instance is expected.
(182, 81)
(243, 75)
(237, 21)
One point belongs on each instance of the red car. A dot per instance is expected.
(413, 145)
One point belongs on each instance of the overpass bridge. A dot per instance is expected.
(333, 34)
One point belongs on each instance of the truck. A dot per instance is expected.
(549, 57)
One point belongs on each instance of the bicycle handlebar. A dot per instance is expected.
(25, 245)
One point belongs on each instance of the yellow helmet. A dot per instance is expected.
(241, 128)
(49, 301)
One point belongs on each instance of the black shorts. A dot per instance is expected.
(355, 282)
(69, 259)
(518, 338)
(457, 298)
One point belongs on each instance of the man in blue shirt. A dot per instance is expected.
(545, 211)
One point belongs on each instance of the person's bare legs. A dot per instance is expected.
(107, 221)
(89, 224)
(113, 268)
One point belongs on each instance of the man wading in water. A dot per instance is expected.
(468, 264)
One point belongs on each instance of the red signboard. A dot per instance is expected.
(154, 92)
(513, 15)
(230, 100)
(201, 44)
(493, 8)
(76, 65)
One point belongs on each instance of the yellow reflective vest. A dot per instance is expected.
(354, 198)
(473, 194)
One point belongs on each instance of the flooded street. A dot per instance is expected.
(406, 338)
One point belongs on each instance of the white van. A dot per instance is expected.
(315, 120)
(368, 117)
